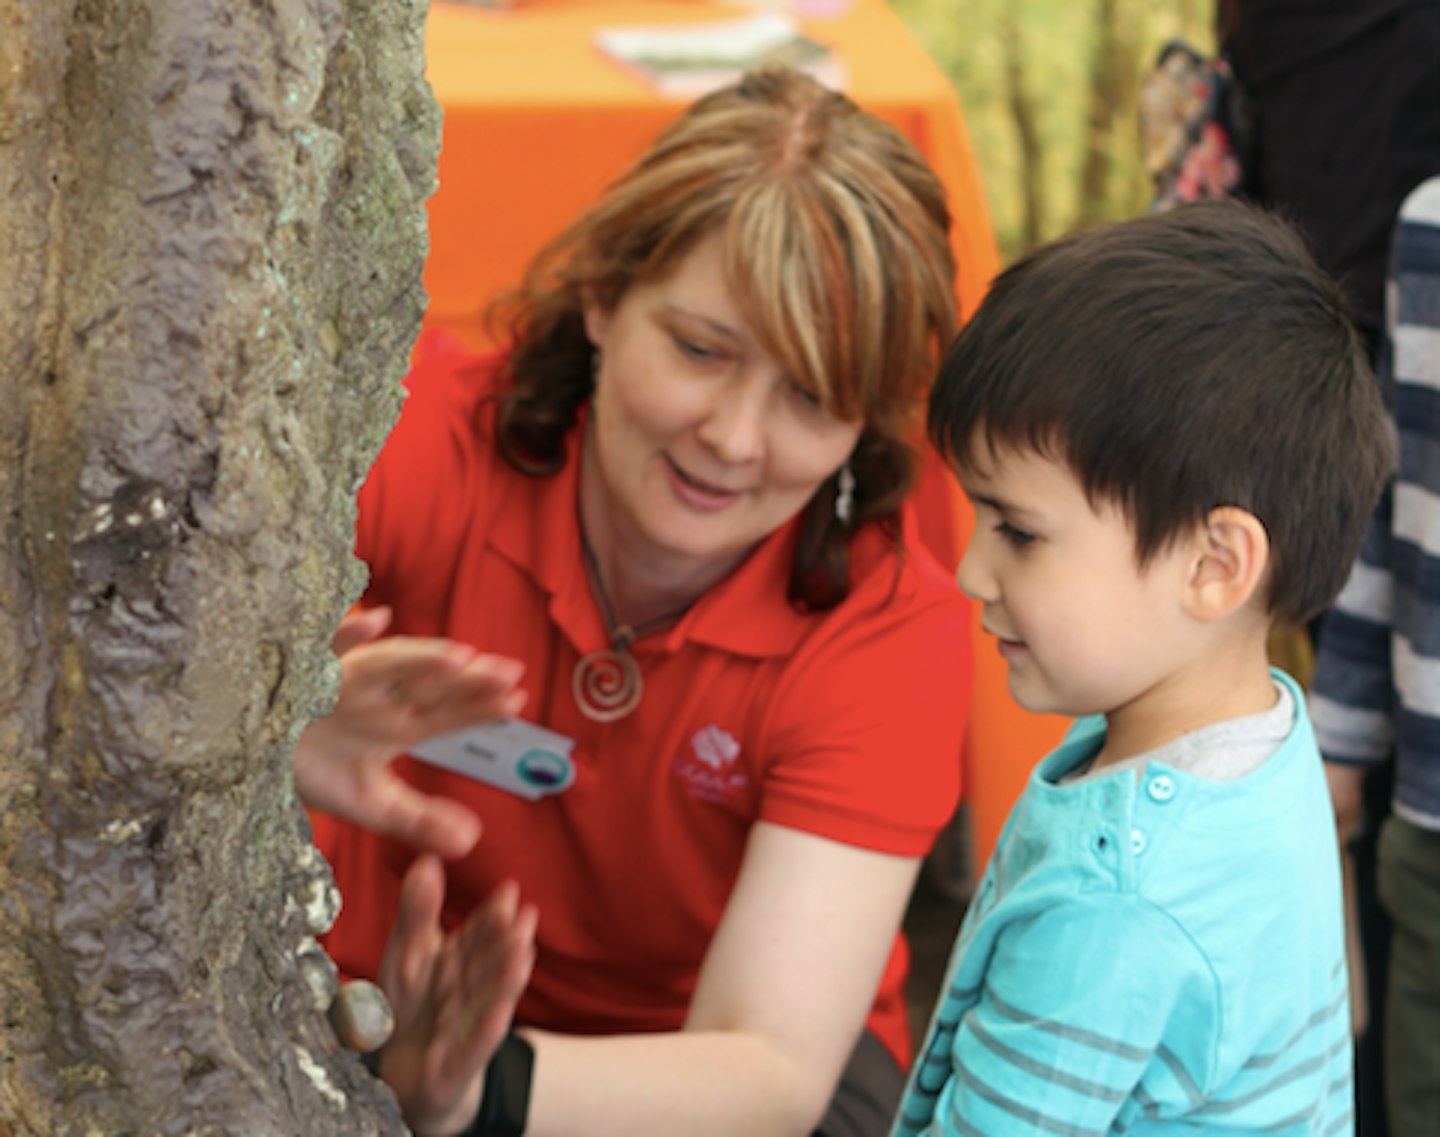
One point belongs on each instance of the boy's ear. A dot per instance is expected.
(1231, 554)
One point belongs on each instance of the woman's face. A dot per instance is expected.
(704, 444)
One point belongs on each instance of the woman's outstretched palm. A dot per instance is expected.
(396, 692)
(453, 994)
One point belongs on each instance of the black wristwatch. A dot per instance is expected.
(505, 1105)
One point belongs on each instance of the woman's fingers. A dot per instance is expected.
(415, 939)
(358, 627)
(494, 955)
(425, 821)
(453, 994)
(480, 686)
(395, 693)
(403, 662)
(421, 687)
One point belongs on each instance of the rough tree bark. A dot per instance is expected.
(1108, 78)
(1021, 101)
(211, 235)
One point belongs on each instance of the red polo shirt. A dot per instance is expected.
(846, 723)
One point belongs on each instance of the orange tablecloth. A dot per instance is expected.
(538, 121)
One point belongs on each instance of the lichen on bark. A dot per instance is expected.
(211, 238)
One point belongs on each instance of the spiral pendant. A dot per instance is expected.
(607, 685)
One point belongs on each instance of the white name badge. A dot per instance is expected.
(514, 755)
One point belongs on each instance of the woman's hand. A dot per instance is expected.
(395, 693)
(453, 995)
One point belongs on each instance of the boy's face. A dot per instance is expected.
(1083, 628)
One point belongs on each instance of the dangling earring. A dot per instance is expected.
(845, 493)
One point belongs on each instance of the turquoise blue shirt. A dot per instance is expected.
(1149, 954)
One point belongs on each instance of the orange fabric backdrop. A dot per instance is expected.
(538, 121)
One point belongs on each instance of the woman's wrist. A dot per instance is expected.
(505, 1101)
(504, 1096)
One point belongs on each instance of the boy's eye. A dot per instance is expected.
(1017, 537)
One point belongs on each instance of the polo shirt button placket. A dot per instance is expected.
(1159, 789)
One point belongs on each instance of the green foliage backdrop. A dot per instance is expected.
(1050, 90)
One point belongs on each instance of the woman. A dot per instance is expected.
(677, 504)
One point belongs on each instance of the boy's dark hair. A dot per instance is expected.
(1178, 362)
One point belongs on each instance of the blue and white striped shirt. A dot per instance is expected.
(1376, 689)
(1151, 954)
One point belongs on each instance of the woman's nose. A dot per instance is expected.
(734, 424)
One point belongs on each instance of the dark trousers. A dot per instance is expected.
(1370, 1119)
(1409, 874)
(868, 1094)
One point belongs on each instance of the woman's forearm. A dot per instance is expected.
(699, 1083)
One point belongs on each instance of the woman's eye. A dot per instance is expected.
(693, 350)
(805, 395)
(1017, 537)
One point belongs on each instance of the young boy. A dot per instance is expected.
(1172, 441)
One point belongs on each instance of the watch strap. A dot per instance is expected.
(505, 1104)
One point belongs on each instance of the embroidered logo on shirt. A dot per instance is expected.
(710, 772)
(715, 747)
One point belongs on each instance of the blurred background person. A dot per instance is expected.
(1345, 105)
(1376, 695)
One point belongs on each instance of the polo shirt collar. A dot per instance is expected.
(536, 528)
(749, 612)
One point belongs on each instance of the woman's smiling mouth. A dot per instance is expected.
(696, 493)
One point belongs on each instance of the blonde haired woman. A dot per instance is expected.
(676, 504)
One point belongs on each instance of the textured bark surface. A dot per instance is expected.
(211, 237)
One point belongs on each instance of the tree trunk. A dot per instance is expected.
(1133, 194)
(1027, 131)
(1107, 94)
(211, 237)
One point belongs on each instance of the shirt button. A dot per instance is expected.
(1161, 787)
(1138, 841)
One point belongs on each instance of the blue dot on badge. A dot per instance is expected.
(544, 769)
